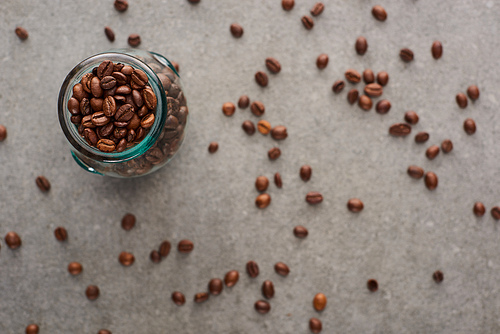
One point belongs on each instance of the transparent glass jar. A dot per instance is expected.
(163, 139)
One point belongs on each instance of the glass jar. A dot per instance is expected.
(164, 137)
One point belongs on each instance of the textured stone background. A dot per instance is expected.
(403, 235)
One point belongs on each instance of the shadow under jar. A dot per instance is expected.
(160, 142)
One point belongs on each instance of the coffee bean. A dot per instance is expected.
(261, 183)
(123, 114)
(155, 256)
(185, 246)
(100, 119)
(268, 289)
(104, 331)
(315, 325)
(438, 276)
(121, 5)
(243, 102)
(305, 173)
(382, 78)
(105, 68)
(261, 79)
(257, 108)
(61, 234)
(264, 127)
(372, 285)
(85, 107)
(379, 13)
(338, 86)
(262, 306)
(308, 22)
(21, 33)
(165, 248)
(383, 107)
(365, 102)
(75, 268)
(374, 90)
(432, 152)
(201, 297)
(406, 55)
(461, 100)
(13, 240)
(411, 117)
(473, 92)
(213, 147)
(495, 212)
(77, 120)
(352, 96)
(415, 172)
(215, 286)
(447, 146)
(437, 49)
(92, 292)
(126, 259)
(400, 130)
(300, 232)
(175, 65)
(248, 127)
(317, 9)
(470, 126)
(361, 45)
(287, 4)
(110, 34)
(236, 30)
(86, 80)
(178, 298)
(139, 78)
(96, 104)
(319, 302)
(43, 183)
(149, 98)
(314, 197)
(134, 40)
(74, 106)
(252, 269)
(352, 76)
(128, 222)
(368, 76)
(109, 106)
(273, 65)
(281, 269)
(279, 132)
(274, 153)
(106, 145)
(228, 109)
(479, 209)
(262, 201)
(108, 82)
(431, 180)
(79, 93)
(32, 329)
(322, 61)
(355, 205)
(421, 137)
(231, 278)
(194, 1)
(277, 180)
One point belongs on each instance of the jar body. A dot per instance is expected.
(163, 139)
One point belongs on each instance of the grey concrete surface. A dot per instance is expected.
(402, 236)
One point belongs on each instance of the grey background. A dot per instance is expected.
(403, 235)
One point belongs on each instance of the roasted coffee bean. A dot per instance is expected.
(127, 70)
(446, 146)
(374, 90)
(194, 1)
(352, 76)
(121, 5)
(139, 133)
(22, 33)
(319, 302)
(13, 240)
(300, 232)
(106, 145)
(415, 172)
(479, 209)
(495, 212)
(213, 147)
(314, 197)
(134, 40)
(95, 87)
(99, 118)
(185, 246)
(274, 153)
(108, 82)
(470, 126)
(137, 98)
(105, 131)
(261, 79)
(201, 297)
(104, 331)
(139, 78)
(338, 86)
(32, 329)
(287, 4)
(383, 107)
(76, 119)
(43, 183)
(75, 268)
(431, 180)
(231, 278)
(87, 122)
(262, 306)
(365, 102)
(411, 117)
(215, 286)
(243, 102)
(85, 107)
(122, 80)
(228, 109)
(92, 292)
(252, 269)
(273, 65)
(117, 67)
(109, 92)
(268, 289)
(437, 49)
(461, 100)
(61, 234)
(105, 68)
(248, 127)
(279, 132)
(261, 183)
(372, 285)
(315, 325)
(149, 98)
(74, 106)
(352, 96)
(236, 30)
(305, 173)
(368, 76)
(473, 92)
(126, 259)
(438, 276)
(124, 113)
(164, 248)
(277, 180)
(96, 104)
(382, 78)
(109, 106)
(281, 269)
(355, 205)
(78, 92)
(379, 13)
(178, 298)
(155, 256)
(361, 45)
(171, 123)
(262, 201)
(110, 34)
(130, 135)
(264, 127)
(147, 121)
(3, 132)
(308, 22)
(322, 61)
(317, 9)
(128, 222)
(86, 80)
(400, 130)
(432, 152)
(406, 55)
(421, 137)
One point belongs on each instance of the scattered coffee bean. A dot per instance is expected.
(231, 278)
(252, 269)
(248, 127)
(352, 76)
(268, 289)
(21, 33)
(61, 234)
(121, 5)
(42, 183)
(228, 109)
(215, 286)
(110, 34)
(461, 100)
(400, 130)
(92, 292)
(319, 302)
(273, 65)
(178, 298)
(495, 212)
(355, 205)
(274, 153)
(134, 40)
(411, 117)
(368, 76)
(379, 13)
(164, 249)
(315, 325)
(243, 102)
(382, 78)
(277, 180)
(431, 180)
(372, 285)
(470, 126)
(479, 209)
(338, 86)
(352, 96)
(415, 172)
(201, 297)
(261, 79)
(361, 45)
(3, 132)
(236, 30)
(322, 61)
(213, 147)
(437, 49)
(438, 276)
(257, 108)
(264, 127)
(365, 102)
(308, 22)
(314, 197)
(262, 306)
(75, 268)
(300, 232)
(421, 137)
(194, 1)
(432, 152)
(126, 259)
(281, 269)
(287, 4)
(383, 107)
(317, 9)
(13, 240)
(128, 222)
(104, 331)
(155, 256)
(185, 246)
(32, 329)
(373, 90)
(447, 146)
(261, 183)
(305, 173)
(279, 132)
(262, 201)
(473, 92)
(406, 55)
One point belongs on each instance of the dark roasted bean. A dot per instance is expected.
(415, 172)
(379, 13)
(495, 212)
(268, 289)
(315, 325)
(308, 22)
(155, 256)
(368, 76)
(421, 137)
(352, 76)
(215, 286)
(473, 92)
(261, 79)
(300, 232)
(355, 205)
(185, 246)
(165, 248)
(110, 34)
(281, 269)
(372, 285)
(252, 269)
(437, 49)
(400, 130)
(279, 132)
(314, 197)
(338, 86)
(273, 65)
(121, 5)
(134, 40)
(322, 61)
(243, 102)
(108, 82)
(446, 146)
(231, 278)
(257, 108)
(382, 78)
(262, 306)
(61, 234)
(383, 107)
(261, 183)
(13, 240)
(178, 298)
(201, 297)
(43, 183)
(305, 173)
(411, 117)
(461, 100)
(274, 153)
(277, 180)
(470, 126)
(128, 222)
(406, 55)
(365, 102)
(317, 9)
(75, 268)
(213, 147)
(287, 4)
(352, 96)
(361, 45)
(431, 180)
(438, 276)
(248, 127)
(479, 209)
(236, 30)
(92, 292)
(262, 201)
(21, 33)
